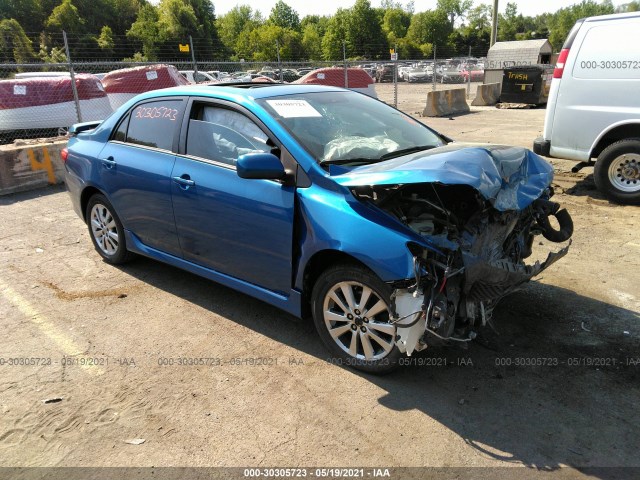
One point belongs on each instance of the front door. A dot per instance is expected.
(239, 227)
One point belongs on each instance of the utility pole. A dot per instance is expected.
(494, 23)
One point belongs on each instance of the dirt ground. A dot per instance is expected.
(94, 358)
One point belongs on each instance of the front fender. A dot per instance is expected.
(334, 220)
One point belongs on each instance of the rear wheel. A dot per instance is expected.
(106, 230)
(350, 307)
(617, 171)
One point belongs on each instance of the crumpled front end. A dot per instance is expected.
(472, 248)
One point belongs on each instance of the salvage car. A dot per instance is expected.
(450, 75)
(416, 74)
(320, 201)
(384, 72)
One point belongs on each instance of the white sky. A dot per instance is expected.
(328, 7)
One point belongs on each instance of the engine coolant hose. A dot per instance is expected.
(546, 209)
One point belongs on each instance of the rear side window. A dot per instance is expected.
(572, 34)
(609, 51)
(153, 124)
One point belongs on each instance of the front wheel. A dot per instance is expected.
(106, 230)
(350, 306)
(617, 171)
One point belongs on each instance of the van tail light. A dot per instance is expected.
(562, 58)
(64, 154)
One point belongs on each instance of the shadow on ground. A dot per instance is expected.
(557, 386)
(38, 192)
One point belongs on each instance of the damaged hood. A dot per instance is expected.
(510, 178)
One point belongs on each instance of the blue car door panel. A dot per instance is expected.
(239, 227)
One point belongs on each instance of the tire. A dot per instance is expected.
(106, 231)
(355, 341)
(617, 171)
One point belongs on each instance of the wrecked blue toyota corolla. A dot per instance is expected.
(319, 201)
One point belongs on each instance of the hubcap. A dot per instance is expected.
(358, 321)
(624, 172)
(104, 229)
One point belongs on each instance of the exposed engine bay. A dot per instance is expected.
(470, 256)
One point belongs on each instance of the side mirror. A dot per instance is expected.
(264, 166)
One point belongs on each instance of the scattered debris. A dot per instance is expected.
(626, 332)
(461, 401)
(39, 250)
(512, 106)
(52, 400)
(584, 328)
(135, 441)
(122, 295)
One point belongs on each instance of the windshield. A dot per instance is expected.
(349, 127)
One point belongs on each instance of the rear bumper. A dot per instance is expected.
(542, 147)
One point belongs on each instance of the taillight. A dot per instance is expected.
(64, 154)
(562, 58)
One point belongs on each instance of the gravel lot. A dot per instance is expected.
(556, 385)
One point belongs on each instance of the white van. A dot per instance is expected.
(593, 111)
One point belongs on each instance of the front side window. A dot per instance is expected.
(222, 135)
(154, 124)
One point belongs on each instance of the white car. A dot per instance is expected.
(593, 111)
(197, 77)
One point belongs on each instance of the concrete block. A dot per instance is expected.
(488, 94)
(27, 167)
(446, 102)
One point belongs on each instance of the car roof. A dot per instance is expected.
(244, 90)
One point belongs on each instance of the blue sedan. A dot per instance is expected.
(319, 201)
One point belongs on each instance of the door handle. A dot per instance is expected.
(187, 182)
(109, 162)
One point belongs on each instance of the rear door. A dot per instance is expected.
(239, 227)
(134, 170)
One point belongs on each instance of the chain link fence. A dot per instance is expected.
(78, 79)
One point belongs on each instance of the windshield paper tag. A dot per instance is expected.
(293, 108)
(19, 89)
(152, 75)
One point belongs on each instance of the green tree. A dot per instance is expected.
(261, 44)
(232, 25)
(335, 35)
(395, 24)
(15, 47)
(105, 41)
(454, 9)
(479, 17)
(145, 30)
(565, 18)
(282, 15)
(363, 32)
(49, 53)
(208, 33)
(125, 12)
(507, 24)
(65, 17)
(28, 13)
(177, 20)
(312, 42)
(321, 23)
(430, 27)
(407, 48)
(633, 6)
